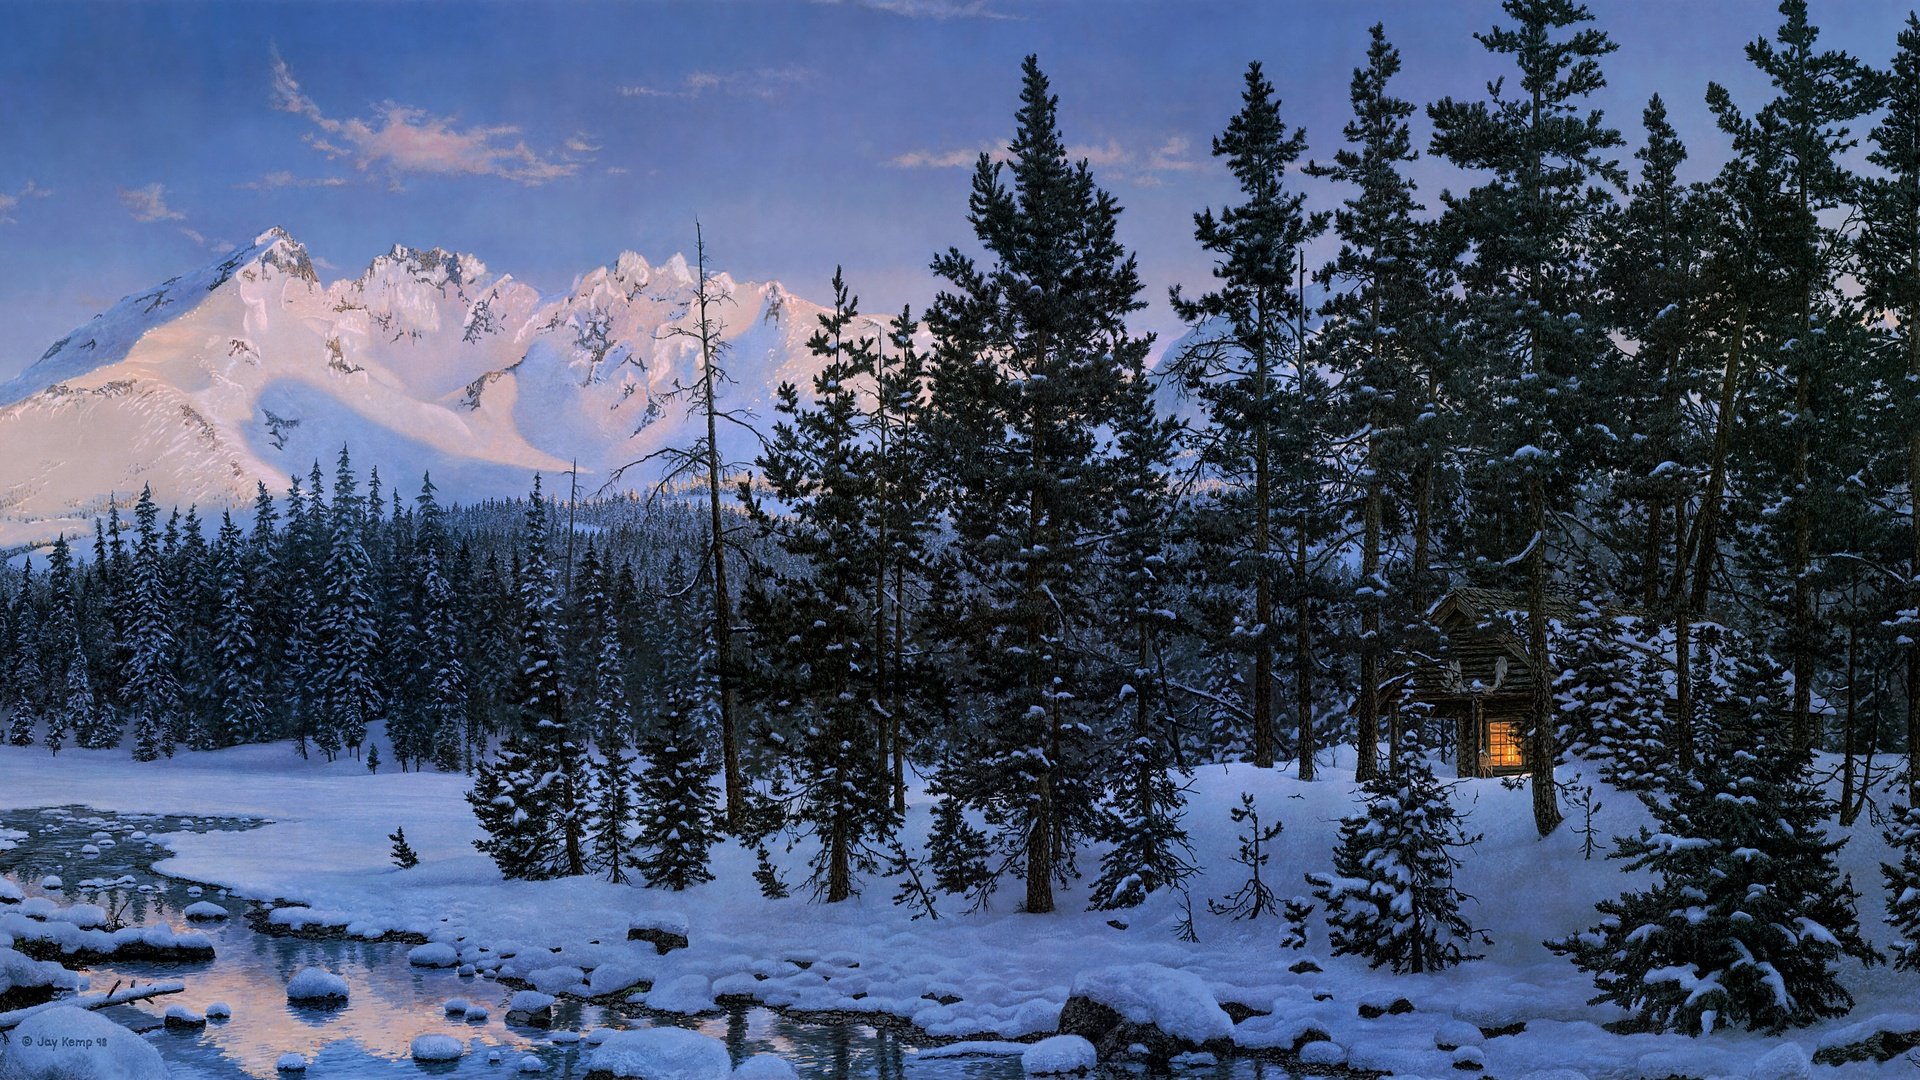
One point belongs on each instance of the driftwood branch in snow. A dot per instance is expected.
(94, 1001)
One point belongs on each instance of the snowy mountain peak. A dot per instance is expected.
(250, 368)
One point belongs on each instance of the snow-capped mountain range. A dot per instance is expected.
(252, 368)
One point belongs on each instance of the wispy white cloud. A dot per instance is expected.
(217, 246)
(960, 158)
(1114, 159)
(938, 10)
(10, 200)
(284, 178)
(401, 139)
(766, 84)
(149, 203)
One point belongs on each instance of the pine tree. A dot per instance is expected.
(402, 853)
(611, 812)
(1028, 365)
(1382, 337)
(674, 803)
(1531, 314)
(24, 700)
(1748, 913)
(1889, 244)
(1391, 897)
(446, 704)
(1254, 897)
(347, 634)
(1817, 94)
(539, 694)
(508, 798)
(93, 722)
(1245, 366)
(1903, 886)
(238, 690)
(817, 658)
(152, 694)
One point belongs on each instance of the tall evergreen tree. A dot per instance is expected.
(238, 692)
(1532, 313)
(1243, 365)
(348, 637)
(152, 693)
(817, 654)
(1026, 372)
(1381, 338)
(1889, 253)
(1817, 93)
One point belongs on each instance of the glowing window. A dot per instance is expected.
(1504, 745)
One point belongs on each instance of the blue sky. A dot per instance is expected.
(137, 141)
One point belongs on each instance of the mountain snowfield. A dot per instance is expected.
(251, 369)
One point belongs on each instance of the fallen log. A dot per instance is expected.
(94, 1001)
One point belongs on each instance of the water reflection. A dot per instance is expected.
(390, 1002)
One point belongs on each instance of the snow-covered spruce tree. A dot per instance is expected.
(237, 690)
(446, 703)
(602, 691)
(1244, 366)
(57, 630)
(347, 634)
(1903, 886)
(1748, 914)
(75, 712)
(1889, 245)
(559, 760)
(93, 721)
(1381, 334)
(196, 598)
(816, 657)
(152, 694)
(1150, 850)
(1391, 897)
(1531, 311)
(24, 700)
(1797, 465)
(302, 555)
(1025, 375)
(674, 802)
(508, 799)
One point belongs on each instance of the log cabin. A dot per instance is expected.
(1479, 678)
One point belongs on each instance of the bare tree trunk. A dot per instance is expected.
(1852, 716)
(1368, 721)
(1913, 596)
(722, 599)
(1543, 751)
(1303, 654)
(1262, 576)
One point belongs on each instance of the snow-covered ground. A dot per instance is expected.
(992, 975)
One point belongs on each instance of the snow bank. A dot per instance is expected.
(18, 971)
(315, 984)
(437, 954)
(765, 1067)
(1057, 1055)
(660, 1054)
(1176, 1002)
(437, 1048)
(10, 893)
(73, 1044)
(83, 915)
(688, 995)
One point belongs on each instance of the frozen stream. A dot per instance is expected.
(391, 1001)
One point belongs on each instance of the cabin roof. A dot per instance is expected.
(1478, 604)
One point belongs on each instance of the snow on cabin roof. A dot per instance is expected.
(1479, 604)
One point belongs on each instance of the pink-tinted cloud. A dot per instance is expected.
(400, 139)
